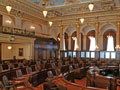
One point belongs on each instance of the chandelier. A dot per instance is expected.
(91, 6)
(45, 13)
(82, 20)
(50, 23)
(8, 8)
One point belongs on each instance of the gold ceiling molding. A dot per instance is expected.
(16, 12)
(114, 12)
(74, 9)
(24, 7)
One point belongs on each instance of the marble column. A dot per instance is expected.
(101, 42)
(69, 42)
(117, 36)
(78, 36)
(96, 35)
(84, 42)
(61, 39)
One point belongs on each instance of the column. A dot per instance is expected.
(96, 35)
(84, 42)
(101, 42)
(117, 35)
(69, 42)
(61, 38)
(78, 37)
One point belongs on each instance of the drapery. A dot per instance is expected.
(92, 43)
(110, 43)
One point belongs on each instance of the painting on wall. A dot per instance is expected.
(20, 51)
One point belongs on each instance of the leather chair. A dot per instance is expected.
(29, 70)
(19, 73)
(1, 86)
(7, 84)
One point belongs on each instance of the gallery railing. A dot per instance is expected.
(91, 54)
(16, 31)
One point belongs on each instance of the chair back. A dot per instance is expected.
(19, 73)
(1, 85)
(1, 68)
(58, 72)
(70, 67)
(37, 67)
(29, 70)
(5, 80)
(50, 74)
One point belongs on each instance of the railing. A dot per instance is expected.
(91, 54)
(15, 31)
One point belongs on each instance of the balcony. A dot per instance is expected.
(16, 31)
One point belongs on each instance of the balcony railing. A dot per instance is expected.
(91, 54)
(15, 31)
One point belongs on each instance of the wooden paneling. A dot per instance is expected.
(0, 52)
(1, 19)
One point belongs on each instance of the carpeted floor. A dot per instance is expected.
(81, 82)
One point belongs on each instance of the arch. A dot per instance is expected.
(86, 28)
(69, 30)
(106, 26)
(54, 32)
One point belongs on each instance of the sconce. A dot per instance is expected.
(8, 21)
(117, 47)
(58, 38)
(32, 27)
(96, 47)
(9, 47)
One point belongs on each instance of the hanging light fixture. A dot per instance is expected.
(91, 6)
(8, 8)
(82, 20)
(45, 13)
(50, 23)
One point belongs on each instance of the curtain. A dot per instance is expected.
(110, 43)
(64, 47)
(75, 43)
(92, 43)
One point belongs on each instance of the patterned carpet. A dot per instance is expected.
(81, 82)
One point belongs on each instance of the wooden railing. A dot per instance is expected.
(91, 54)
(16, 31)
